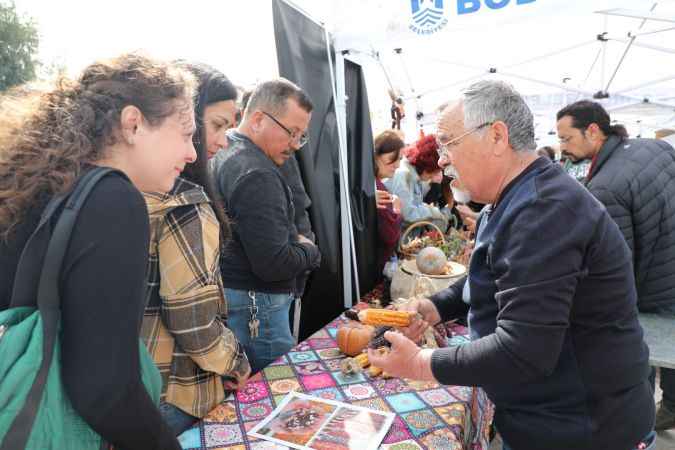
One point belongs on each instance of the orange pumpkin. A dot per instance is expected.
(353, 337)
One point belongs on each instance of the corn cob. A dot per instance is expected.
(352, 314)
(386, 317)
(378, 339)
(374, 371)
(362, 360)
(350, 366)
(387, 375)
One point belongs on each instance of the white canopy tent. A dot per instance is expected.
(554, 51)
(616, 56)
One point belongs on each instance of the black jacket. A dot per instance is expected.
(102, 285)
(264, 253)
(556, 342)
(290, 170)
(635, 180)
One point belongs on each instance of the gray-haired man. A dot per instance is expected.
(266, 254)
(550, 294)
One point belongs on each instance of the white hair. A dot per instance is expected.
(490, 101)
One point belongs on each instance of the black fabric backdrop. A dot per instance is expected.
(302, 56)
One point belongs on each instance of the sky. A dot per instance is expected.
(237, 38)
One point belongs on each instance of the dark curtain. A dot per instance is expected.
(302, 57)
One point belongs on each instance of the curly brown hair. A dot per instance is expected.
(47, 137)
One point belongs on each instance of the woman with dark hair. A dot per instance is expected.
(387, 157)
(411, 181)
(185, 324)
(134, 115)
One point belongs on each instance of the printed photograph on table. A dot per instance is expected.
(351, 429)
(306, 422)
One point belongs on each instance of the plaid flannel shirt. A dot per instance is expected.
(184, 325)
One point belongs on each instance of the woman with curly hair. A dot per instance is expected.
(185, 323)
(134, 115)
(410, 183)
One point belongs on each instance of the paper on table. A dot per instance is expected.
(305, 422)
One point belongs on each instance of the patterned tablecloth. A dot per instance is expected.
(428, 415)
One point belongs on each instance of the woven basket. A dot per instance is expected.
(406, 233)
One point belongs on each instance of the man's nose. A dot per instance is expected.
(444, 160)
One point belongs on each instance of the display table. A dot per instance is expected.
(427, 415)
(660, 336)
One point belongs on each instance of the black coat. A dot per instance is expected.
(635, 180)
(264, 253)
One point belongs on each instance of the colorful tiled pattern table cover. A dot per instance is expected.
(428, 415)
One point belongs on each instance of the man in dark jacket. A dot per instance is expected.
(290, 170)
(635, 180)
(266, 254)
(556, 343)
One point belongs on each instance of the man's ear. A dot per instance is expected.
(498, 133)
(593, 130)
(131, 120)
(255, 120)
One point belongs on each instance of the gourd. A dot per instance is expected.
(431, 261)
(353, 337)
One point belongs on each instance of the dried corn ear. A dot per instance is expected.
(372, 316)
(350, 366)
(362, 360)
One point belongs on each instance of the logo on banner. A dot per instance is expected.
(428, 16)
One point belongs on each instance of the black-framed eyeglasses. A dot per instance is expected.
(444, 147)
(298, 139)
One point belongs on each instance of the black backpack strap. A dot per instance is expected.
(48, 293)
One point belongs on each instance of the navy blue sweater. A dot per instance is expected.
(556, 342)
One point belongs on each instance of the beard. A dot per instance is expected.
(572, 158)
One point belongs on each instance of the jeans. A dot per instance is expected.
(177, 419)
(649, 441)
(274, 332)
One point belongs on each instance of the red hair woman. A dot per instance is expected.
(411, 181)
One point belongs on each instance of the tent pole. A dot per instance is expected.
(537, 58)
(384, 71)
(447, 86)
(652, 32)
(603, 45)
(625, 52)
(399, 51)
(641, 85)
(643, 45)
(348, 247)
(545, 83)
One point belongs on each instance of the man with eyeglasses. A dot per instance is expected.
(266, 254)
(555, 339)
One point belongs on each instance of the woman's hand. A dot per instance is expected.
(396, 204)
(468, 217)
(383, 199)
(230, 384)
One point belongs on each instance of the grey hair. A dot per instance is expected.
(490, 101)
(271, 97)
